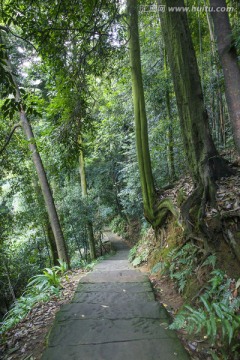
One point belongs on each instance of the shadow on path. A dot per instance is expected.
(113, 316)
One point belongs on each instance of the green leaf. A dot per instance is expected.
(205, 303)
(158, 267)
(229, 329)
(218, 310)
(213, 326)
(137, 261)
(209, 328)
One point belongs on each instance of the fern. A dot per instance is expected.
(160, 266)
(132, 253)
(211, 260)
(40, 288)
(217, 316)
(181, 264)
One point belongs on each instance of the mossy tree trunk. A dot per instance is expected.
(89, 225)
(141, 126)
(155, 212)
(170, 123)
(205, 164)
(231, 70)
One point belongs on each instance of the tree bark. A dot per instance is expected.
(91, 240)
(141, 126)
(46, 223)
(231, 70)
(51, 241)
(47, 194)
(170, 125)
(205, 164)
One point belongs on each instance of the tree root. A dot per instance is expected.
(164, 208)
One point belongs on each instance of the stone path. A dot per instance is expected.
(113, 316)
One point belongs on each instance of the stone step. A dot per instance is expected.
(106, 298)
(115, 287)
(88, 331)
(112, 265)
(115, 276)
(120, 255)
(150, 310)
(151, 349)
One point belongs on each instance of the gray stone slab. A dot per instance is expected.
(118, 287)
(150, 310)
(113, 317)
(114, 276)
(129, 350)
(121, 255)
(112, 260)
(112, 298)
(97, 331)
(113, 264)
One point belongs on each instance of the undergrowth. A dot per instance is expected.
(214, 312)
(215, 316)
(41, 288)
(138, 256)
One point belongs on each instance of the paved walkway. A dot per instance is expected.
(113, 316)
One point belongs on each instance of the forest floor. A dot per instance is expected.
(27, 340)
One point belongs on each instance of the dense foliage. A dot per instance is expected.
(66, 66)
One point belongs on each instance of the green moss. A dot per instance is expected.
(174, 236)
(181, 197)
(155, 257)
(191, 289)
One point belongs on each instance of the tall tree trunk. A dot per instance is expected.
(91, 240)
(231, 70)
(170, 139)
(141, 126)
(170, 125)
(42, 177)
(51, 241)
(47, 193)
(205, 164)
(46, 223)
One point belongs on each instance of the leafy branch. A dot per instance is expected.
(9, 137)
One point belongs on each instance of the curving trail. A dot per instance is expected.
(113, 316)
